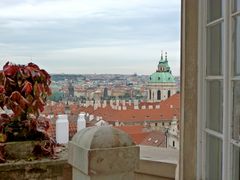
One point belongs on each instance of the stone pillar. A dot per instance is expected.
(102, 153)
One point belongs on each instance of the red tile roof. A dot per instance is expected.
(155, 138)
(137, 133)
(168, 109)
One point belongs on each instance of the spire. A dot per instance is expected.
(165, 56)
(161, 55)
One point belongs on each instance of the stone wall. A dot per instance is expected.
(152, 170)
(46, 169)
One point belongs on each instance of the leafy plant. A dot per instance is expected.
(23, 90)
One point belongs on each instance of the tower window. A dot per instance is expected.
(169, 93)
(173, 143)
(158, 95)
(159, 78)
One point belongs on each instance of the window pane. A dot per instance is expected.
(213, 158)
(236, 163)
(236, 110)
(214, 10)
(214, 49)
(214, 107)
(236, 5)
(236, 44)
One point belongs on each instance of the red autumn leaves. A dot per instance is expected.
(24, 89)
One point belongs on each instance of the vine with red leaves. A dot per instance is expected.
(24, 90)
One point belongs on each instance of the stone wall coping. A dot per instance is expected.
(157, 154)
(44, 161)
(22, 164)
(157, 169)
(100, 149)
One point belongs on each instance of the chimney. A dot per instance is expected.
(174, 117)
(136, 107)
(117, 102)
(97, 118)
(81, 122)
(62, 129)
(91, 117)
(104, 104)
(95, 106)
(91, 103)
(130, 102)
(87, 103)
(123, 102)
(135, 102)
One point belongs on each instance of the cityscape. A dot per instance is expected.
(119, 90)
(145, 107)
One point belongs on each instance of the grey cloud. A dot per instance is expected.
(48, 38)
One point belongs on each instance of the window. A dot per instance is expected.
(158, 95)
(173, 143)
(169, 93)
(150, 94)
(220, 89)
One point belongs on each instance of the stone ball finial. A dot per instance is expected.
(102, 137)
(103, 153)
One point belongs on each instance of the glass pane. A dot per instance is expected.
(236, 5)
(236, 110)
(236, 44)
(213, 158)
(214, 106)
(236, 163)
(214, 10)
(214, 49)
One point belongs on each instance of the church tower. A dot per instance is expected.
(70, 90)
(161, 84)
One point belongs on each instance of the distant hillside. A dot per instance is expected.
(72, 77)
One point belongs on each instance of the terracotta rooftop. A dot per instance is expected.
(168, 109)
(137, 133)
(155, 138)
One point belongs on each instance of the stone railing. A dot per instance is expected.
(101, 153)
(157, 164)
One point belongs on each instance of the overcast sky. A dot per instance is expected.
(90, 36)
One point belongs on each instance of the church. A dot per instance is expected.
(161, 84)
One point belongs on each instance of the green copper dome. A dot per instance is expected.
(163, 73)
(161, 77)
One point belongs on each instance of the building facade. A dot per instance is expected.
(210, 81)
(161, 84)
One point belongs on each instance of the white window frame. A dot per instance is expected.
(227, 79)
